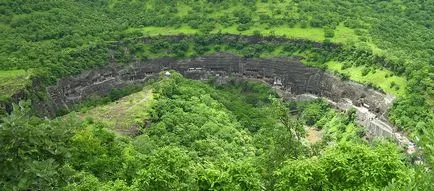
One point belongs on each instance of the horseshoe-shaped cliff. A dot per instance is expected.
(288, 74)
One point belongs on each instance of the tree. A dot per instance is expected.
(169, 168)
(375, 167)
(224, 175)
(347, 166)
(302, 174)
(314, 111)
(32, 151)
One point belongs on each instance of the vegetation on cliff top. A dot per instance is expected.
(386, 44)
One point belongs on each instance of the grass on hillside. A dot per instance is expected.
(375, 76)
(11, 81)
(124, 114)
(342, 33)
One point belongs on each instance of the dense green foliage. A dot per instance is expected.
(46, 33)
(56, 38)
(396, 26)
(211, 136)
(198, 140)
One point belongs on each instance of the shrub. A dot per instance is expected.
(365, 71)
(329, 32)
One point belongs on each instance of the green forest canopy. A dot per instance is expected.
(51, 39)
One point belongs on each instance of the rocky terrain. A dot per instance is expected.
(288, 75)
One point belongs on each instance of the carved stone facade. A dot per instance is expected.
(288, 74)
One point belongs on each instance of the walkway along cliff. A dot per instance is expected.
(288, 74)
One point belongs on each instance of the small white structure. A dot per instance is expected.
(277, 82)
(167, 74)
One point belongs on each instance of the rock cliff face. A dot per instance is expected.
(287, 74)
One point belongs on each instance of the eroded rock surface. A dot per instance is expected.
(291, 75)
(288, 74)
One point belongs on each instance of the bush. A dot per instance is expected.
(257, 33)
(344, 76)
(329, 32)
(243, 27)
(206, 28)
(304, 24)
(365, 71)
(346, 65)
